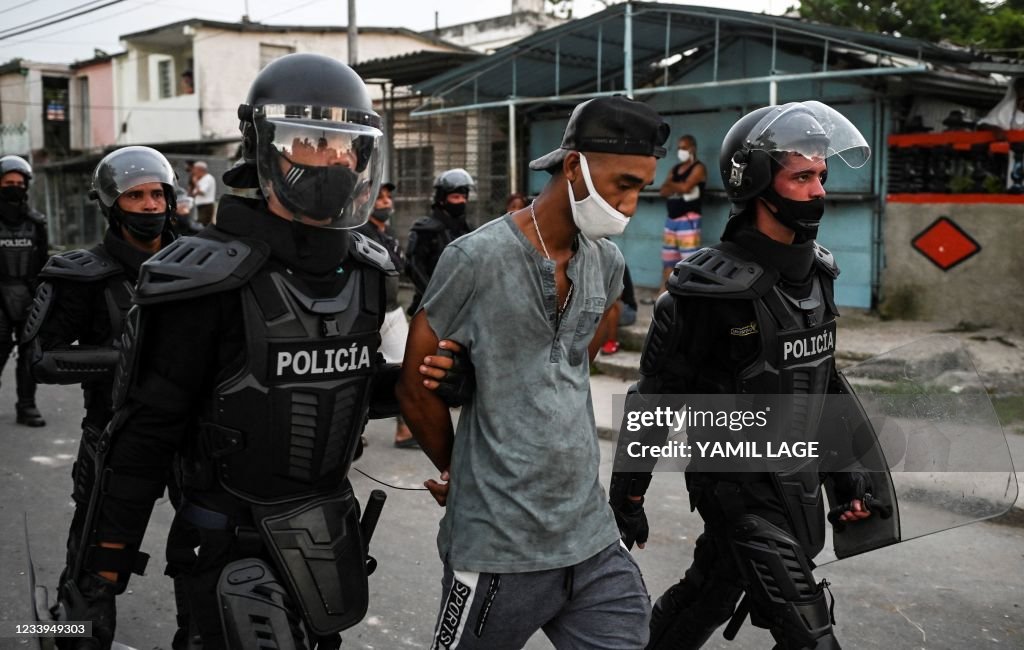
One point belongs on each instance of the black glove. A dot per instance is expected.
(630, 517)
(458, 383)
(632, 521)
(91, 599)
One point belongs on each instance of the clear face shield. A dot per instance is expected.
(325, 171)
(813, 131)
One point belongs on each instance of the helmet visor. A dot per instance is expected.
(812, 130)
(326, 173)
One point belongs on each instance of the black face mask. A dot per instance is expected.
(144, 226)
(13, 194)
(802, 217)
(457, 210)
(317, 192)
(383, 214)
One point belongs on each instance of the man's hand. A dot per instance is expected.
(632, 521)
(853, 491)
(439, 490)
(856, 512)
(449, 373)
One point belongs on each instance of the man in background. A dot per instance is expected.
(445, 224)
(204, 191)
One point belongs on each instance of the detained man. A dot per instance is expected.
(528, 541)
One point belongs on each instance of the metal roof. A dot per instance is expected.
(413, 67)
(588, 56)
(249, 26)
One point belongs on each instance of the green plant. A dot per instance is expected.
(960, 184)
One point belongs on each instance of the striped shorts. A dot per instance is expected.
(681, 237)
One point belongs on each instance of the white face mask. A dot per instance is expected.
(593, 216)
(684, 155)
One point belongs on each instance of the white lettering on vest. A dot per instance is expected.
(809, 347)
(319, 362)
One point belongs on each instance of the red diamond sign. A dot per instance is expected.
(945, 244)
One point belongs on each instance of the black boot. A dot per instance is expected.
(30, 416)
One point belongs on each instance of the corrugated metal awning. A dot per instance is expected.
(589, 56)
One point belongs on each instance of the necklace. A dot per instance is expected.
(533, 217)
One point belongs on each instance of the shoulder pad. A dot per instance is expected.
(197, 266)
(80, 266)
(716, 272)
(825, 260)
(370, 252)
(427, 223)
(37, 217)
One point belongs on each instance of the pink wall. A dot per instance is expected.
(101, 100)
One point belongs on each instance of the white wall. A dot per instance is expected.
(225, 63)
(157, 120)
(14, 96)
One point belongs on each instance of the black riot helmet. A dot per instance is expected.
(16, 164)
(452, 181)
(761, 142)
(309, 126)
(120, 171)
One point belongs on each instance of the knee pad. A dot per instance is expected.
(255, 609)
(784, 595)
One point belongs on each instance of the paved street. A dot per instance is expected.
(959, 589)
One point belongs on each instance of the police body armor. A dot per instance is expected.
(17, 257)
(280, 435)
(428, 238)
(98, 363)
(796, 358)
(93, 367)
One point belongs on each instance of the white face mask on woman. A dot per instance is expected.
(593, 216)
(684, 155)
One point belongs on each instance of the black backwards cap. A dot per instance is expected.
(613, 124)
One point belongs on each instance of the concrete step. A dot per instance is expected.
(623, 365)
(632, 337)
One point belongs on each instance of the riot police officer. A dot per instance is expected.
(720, 330)
(446, 223)
(267, 407)
(23, 252)
(77, 320)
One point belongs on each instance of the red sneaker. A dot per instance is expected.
(610, 347)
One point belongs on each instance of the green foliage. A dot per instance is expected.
(983, 25)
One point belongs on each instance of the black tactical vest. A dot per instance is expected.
(796, 358)
(17, 249)
(288, 424)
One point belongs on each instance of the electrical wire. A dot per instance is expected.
(45, 18)
(394, 487)
(58, 20)
(23, 4)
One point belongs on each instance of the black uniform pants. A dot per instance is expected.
(10, 333)
(689, 612)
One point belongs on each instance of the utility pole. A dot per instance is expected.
(353, 34)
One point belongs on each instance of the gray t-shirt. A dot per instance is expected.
(524, 493)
